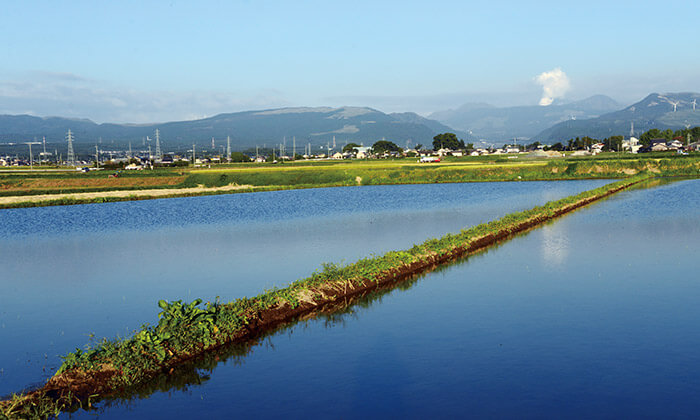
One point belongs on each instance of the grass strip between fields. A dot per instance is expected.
(185, 330)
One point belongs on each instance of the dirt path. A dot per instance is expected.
(154, 193)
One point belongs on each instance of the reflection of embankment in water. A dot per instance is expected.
(199, 370)
(555, 238)
(656, 182)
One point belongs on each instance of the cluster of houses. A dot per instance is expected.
(663, 145)
(366, 153)
(21, 161)
(13, 161)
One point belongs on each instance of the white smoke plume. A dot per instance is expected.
(554, 83)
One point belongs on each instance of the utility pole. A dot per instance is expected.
(97, 157)
(294, 147)
(31, 158)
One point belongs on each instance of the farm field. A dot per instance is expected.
(499, 328)
(61, 187)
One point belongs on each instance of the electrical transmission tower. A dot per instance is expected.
(71, 154)
(159, 155)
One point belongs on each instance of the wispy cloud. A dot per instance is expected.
(58, 76)
(70, 95)
(554, 83)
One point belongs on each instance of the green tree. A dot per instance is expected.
(533, 146)
(383, 146)
(239, 157)
(614, 143)
(649, 135)
(419, 146)
(350, 147)
(587, 142)
(557, 146)
(447, 141)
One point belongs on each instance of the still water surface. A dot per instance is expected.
(71, 271)
(593, 314)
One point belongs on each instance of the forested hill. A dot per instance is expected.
(662, 111)
(247, 129)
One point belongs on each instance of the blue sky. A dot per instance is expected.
(132, 61)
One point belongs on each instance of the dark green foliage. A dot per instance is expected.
(447, 141)
(350, 147)
(239, 157)
(385, 146)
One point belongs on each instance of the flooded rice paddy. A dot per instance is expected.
(593, 314)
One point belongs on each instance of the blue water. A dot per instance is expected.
(72, 271)
(591, 315)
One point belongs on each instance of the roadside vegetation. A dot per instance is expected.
(186, 330)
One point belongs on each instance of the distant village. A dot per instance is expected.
(382, 149)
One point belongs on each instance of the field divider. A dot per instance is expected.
(186, 330)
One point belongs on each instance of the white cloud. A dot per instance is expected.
(67, 95)
(554, 83)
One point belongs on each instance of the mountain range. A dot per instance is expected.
(500, 125)
(317, 126)
(662, 111)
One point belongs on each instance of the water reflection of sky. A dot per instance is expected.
(600, 323)
(555, 244)
(74, 270)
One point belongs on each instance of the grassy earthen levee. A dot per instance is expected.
(187, 330)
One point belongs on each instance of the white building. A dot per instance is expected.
(632, 145)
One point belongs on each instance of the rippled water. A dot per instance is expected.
(593, 314)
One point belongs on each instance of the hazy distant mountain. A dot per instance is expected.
(654, 111)
(436, 126)
(317, 126)
(504, 124)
